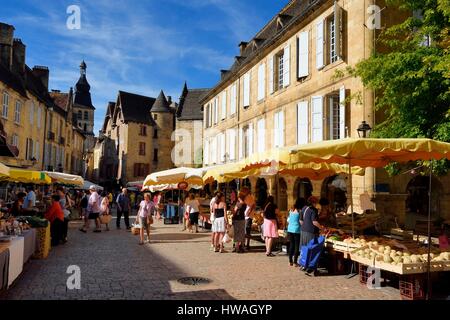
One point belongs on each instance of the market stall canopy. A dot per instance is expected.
(4, 171)
(64, 178)
(193, 176)
(371, 152)
(223, 173)
(28, 176)
(165, 187)
(87, 184)
(135, 184)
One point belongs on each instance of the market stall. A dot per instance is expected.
(87, 184)
(64, 178)
(28, 176)
(4, 171)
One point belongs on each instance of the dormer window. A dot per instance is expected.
(155, 117)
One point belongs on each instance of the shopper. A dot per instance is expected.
(220, 223)
(239, 223)
(93, 210)
(193, 208)
(16, 209)
(144, 217)
(270, 224)
(123, 208)
(309, 220)
(30, 200)
(84, 204)
(157, 201)
(56, 217)
(249, 214)
(65, 204)
(294, 231)
(211, 211)
(105, 211)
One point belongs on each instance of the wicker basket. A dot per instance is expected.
(135, 230)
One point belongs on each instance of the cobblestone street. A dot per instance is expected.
(114, 266)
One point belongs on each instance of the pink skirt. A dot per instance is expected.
(270, 228)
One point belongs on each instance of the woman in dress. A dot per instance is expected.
(239, 223)
(193, 208)
(220, 223)
(105, 210)
(270, 224)
(144, 217)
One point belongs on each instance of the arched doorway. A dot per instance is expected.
(417, 200)
(261, 192)
(282, 197)
(302, 188)
(334, 189)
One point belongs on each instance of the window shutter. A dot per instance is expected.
(216, 110)
(39, 117)
(224, 104)
(276, 130)
(342, 113)
(222, 148)
(206, 152)
(261, 132)
(271, 67)
(247, 89)
(250, 138)
(241, 143)
(302, 122)
(36, 151)
(303, 54)
(287, 65)
(320, 45)
(233, 99)
(261, 81)
(338, 28)
(281, 128)
(232, 144)
(317, 119)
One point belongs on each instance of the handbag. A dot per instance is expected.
(150, 220)
(105, 218)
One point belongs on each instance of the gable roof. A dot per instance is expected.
(292, 13)
(190, 107)
(135, 108)
(109, 113)
(161, 104)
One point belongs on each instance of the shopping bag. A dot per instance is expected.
(230, 232)
(226, 238)
(105, 218)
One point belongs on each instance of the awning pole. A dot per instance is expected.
(351, 195)
(429, 235)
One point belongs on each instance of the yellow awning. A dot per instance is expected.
(29, 176)
(193, 176)
(4, 171)
(368, 152)
(65, 178)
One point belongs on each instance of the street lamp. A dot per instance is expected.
(363, 129)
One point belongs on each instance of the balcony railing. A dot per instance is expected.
(51, 136)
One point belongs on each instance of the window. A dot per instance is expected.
(278, 129)
(233, 99)
(31, 112)
(80, 115)
(261, 132)
(85, 127)
(280, 70)
(141, 169)
(155, 117)
(224, 105)
(248, 140)
(143, 131)
(39, 117)
(261, 81)
(155, 133)
(17, 112)
(155, 155)
(332, 40)
(333, 117)
(86, 115)
(5, 105)
(142, 148)
(302, 123)
(246, 90)
(328, 38)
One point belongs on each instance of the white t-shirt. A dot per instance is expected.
(194, 205)
(211, 204)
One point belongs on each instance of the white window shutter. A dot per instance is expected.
(233, 99)
(261, 132)
(281, 128)
(37, 151)
(276, 139)
(232, 144)
(241, 143)
(211, 111)
(222, 148)
(342, 113)
(287, 65)
(206, 152)
(215, 151)
(224, 104)
(216, 110)
(271, 86)
(317, 118)
(247, 89)
(320, 63)
(303, 54)
(250, 138)
(302, 123)
(261, 81)
(39, 117)
(338, 28)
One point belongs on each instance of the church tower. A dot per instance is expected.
(82, 103)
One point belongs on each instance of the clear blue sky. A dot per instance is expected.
(141, 46)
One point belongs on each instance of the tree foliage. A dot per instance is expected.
(412, 80)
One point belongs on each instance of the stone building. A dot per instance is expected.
(37, 124)
(137, 136)
(282, 90)
(188, 151)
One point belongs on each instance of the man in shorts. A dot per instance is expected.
(249, 213)
(93, 210)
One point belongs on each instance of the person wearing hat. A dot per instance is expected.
(309, 221)
(93, 210)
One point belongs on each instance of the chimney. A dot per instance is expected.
(43, 74)
(19, 56)
(223, 73)
(6, 44)
(242, 47)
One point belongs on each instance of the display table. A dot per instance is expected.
(29, 244)
(16, 253)
(4, 268)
